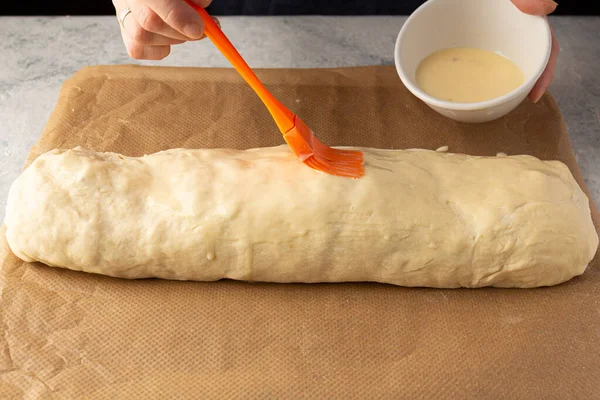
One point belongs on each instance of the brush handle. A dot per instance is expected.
(283, 117)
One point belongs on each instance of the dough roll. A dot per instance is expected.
(417, 218)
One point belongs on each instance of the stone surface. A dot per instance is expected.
(38, 54)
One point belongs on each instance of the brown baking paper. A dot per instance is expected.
(73, 335)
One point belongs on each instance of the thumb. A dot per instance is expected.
(535, 7)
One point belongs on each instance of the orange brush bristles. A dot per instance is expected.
(306, 146)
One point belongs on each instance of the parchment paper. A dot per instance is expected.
(72, 335)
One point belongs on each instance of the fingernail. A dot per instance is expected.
(217, 22)
(550, 5)
(193, 30)
(538, 97)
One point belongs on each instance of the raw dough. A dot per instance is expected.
(417, 218)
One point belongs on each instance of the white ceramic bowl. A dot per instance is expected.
(494, 25)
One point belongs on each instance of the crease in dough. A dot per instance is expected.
(417, 218)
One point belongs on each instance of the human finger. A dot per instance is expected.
(141, 36)
(140, 51)
(536, 7)
(546, 78)
(164, 16)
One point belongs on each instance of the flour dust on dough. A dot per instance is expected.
(417, 218)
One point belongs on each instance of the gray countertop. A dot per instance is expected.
(38, 54)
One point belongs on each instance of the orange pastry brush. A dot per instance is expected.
(347, 163)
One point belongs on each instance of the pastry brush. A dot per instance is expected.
(300, 138)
